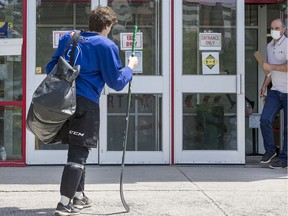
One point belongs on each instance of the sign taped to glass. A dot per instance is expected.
(126, 40)
(209, 41)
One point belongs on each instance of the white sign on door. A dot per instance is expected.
(126, 40)
(138, 54)
(209, 41)
(210, 63)
(56, 37)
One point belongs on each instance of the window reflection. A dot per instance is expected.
(11, 18)
(145, 132)
(209, 17)
(146, 14)
(251, 15)
(10, 78)
(10, 133)
(57, 16)
(11, 23)
(209, 122)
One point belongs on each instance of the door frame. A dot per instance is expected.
(157, 85)
(33, 80)
(236, 84)
(17, 46)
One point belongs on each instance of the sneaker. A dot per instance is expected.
(85, 202)
(278, 165)
(267, 157)
(69, 209)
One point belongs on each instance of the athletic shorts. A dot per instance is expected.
(83, 128)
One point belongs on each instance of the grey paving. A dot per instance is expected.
(198, 190)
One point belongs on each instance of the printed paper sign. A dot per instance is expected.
(138, 68)
(209, 41)
(210, 62)
(56, 36)
(126, 40)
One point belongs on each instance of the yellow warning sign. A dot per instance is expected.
(210, 61)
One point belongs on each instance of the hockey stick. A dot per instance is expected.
(126, 130)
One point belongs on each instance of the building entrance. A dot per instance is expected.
(188, 92)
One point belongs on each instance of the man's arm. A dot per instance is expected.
(275, 67)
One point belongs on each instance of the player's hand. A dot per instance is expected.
(132, 62)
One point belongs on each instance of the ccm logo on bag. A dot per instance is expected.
(76, 133)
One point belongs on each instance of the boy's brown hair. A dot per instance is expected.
(100, 17)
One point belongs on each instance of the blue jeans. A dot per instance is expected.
(274, 102)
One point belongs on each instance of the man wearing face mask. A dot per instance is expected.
(276, 98)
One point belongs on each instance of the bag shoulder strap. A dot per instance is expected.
(74, 39)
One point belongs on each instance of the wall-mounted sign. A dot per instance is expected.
(126, 40)
(209, 41)
(210, 62)
(56, 37)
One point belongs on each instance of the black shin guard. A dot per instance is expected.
(82, 181)
(71, 177)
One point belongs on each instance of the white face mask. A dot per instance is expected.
(275, 34)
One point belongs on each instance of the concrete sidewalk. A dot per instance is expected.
(198, 190)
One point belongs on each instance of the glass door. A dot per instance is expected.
(47, 20)
(209, 82)
(11, 83)
(148, 136)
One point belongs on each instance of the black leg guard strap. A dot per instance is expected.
(71, 177)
